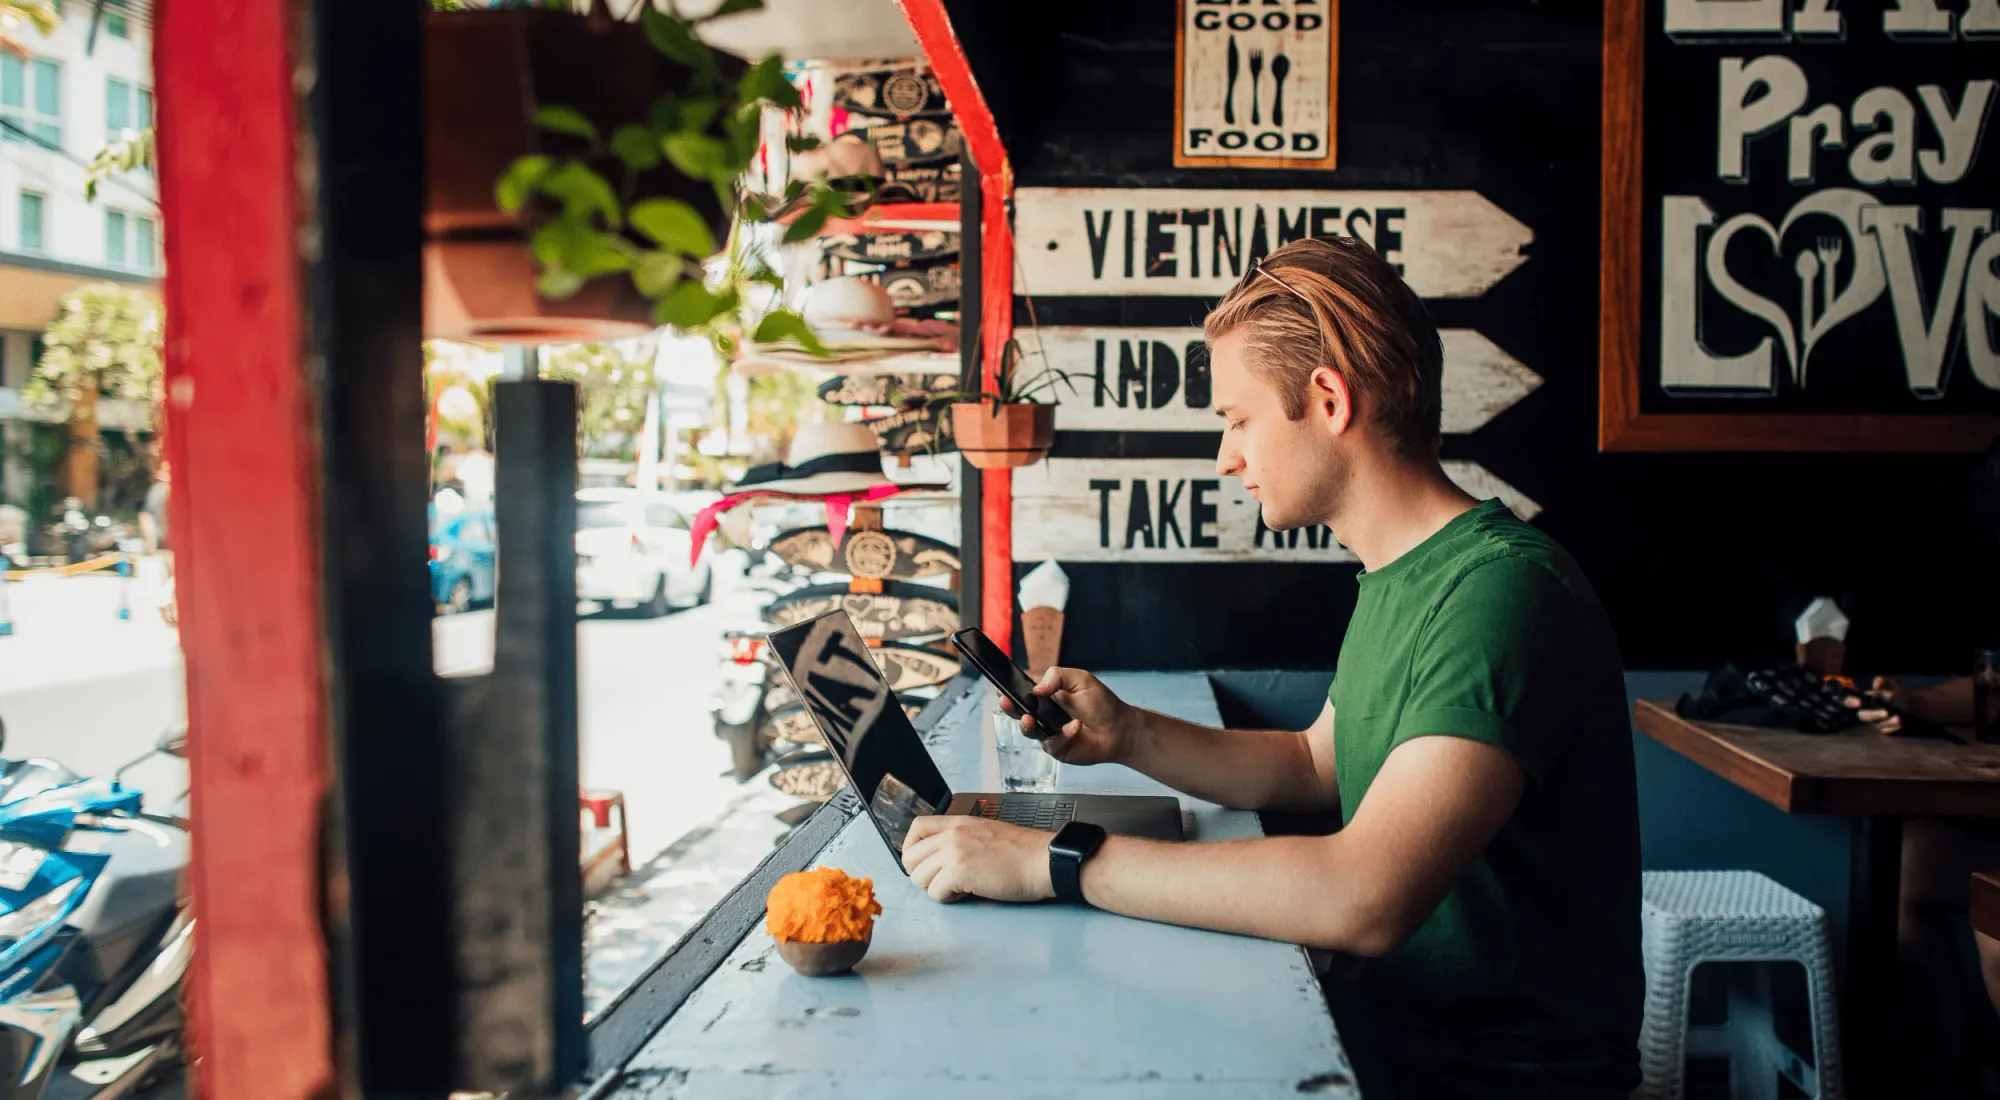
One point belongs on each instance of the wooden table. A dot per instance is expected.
(1876, 779)
(977, 1001)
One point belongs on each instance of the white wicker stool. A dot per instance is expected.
(1694, 917)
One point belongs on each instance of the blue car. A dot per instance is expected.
(461, 560)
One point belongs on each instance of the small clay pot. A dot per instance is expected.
(821, 960)
(994, 437)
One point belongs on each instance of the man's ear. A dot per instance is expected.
(1328, 398)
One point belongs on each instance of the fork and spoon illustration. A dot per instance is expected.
(1281, 66)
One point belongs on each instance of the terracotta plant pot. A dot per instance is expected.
(485, 75)
(822, 960)
(994, 437)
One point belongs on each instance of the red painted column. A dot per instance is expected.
(941, 47)
(245, 485)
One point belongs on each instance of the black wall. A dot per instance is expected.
(1699, 558)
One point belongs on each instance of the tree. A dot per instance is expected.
(38, 14)
(105, 339)
(612, 391)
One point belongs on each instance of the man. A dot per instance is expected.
(1488, 867)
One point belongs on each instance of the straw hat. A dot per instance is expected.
(824, 459)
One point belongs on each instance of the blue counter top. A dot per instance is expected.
(978, 1000)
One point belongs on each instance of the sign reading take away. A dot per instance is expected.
(1119, 241)
(1255, 86)
(1157, 379)
(1176, 510)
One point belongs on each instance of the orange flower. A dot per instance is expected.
(822, 905)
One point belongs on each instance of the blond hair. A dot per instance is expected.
(1336, 302)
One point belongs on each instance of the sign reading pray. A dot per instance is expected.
(1801, 245)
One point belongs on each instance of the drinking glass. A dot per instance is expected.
(1023, 764)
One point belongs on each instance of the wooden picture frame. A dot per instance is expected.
(1622, 425)
(1331, 10)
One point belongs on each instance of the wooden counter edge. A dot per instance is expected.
(1986, 902)
(1759, 777)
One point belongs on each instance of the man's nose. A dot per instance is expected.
(1228, 462)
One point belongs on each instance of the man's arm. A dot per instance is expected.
(1436, 804)
(1251, 769)
(1248, 769)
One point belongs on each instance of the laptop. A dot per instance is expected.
(829, 665)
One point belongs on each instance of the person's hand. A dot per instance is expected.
(1099, 727)
(956, 857)
(1878, 718)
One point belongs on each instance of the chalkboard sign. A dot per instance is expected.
(1799, 233)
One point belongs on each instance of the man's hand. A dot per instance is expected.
(1100, 723)
(952, 858)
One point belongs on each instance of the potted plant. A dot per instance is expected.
(581, 170)
(1005, 426)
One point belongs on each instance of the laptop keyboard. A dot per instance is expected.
(1032, 812)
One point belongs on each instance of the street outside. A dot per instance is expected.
(93, 691)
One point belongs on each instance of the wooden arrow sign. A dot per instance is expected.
(1157, 379)
(900, 610)
(918, 141)
(885, 389)
(867, 553)
(1112, 241)
(909, 667)
(918, 287)
(896, 93)
(915, 431)
(894, 249)
(1176, 510)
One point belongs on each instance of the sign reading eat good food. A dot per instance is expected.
(1256, 83)
(1801, 246)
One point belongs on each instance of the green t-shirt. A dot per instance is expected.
(1530, 968)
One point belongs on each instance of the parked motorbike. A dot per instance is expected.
(739, 702)
(95, 933)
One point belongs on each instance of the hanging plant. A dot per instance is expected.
(599, 206)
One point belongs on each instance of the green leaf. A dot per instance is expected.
(799, 143)
(691, 305)
(556, 283)
(808, 225)
(519, 181)
(566, 120)
(674, 36)
(766, 82)
(552, 240)
(699, 113)
(674, 224)
(655, 272)
(699, 156)
(582, 192)
(591, 254)
(637, 146)
(767, 277)
(784, 326)
(731, 7)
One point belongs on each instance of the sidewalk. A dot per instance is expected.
(67, 629)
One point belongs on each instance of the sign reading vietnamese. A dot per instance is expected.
(1176, 510)
(1113, 241)
(1157, 379)
(1801, 246)
(1255, 87)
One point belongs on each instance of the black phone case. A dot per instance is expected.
(1034, 704)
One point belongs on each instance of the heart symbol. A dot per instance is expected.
(1844, 205)
(1742, 297)
(1800, 335)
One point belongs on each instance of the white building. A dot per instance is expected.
(78, 88)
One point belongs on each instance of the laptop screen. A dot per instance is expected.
(835, 675)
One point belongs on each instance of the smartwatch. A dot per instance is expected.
(1078, 841)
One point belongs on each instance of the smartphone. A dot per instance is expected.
(1008, 677)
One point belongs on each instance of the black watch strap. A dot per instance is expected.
(1076, 843)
